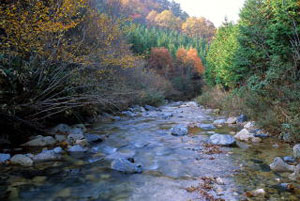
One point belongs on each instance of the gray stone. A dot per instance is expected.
(58, 150)
(76, 131)
(74, 137)
(231, 120)
(286, 137)
(179, 130)
(77, 148)
(93, 138)
(250, 125)
(296, 151)
(80, 126)
(222, 140)
(219, 121)
(104, 149)
(206, 126)
(20, 159)
(296, 175)
(47, 155)
(40, 141)
(126, 166)
(279, 165)
(261, 135)
(4, 157)
(150, 108)
(61, 129)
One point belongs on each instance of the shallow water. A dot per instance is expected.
(171, 164)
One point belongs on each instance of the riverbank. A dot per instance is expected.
(179, 151)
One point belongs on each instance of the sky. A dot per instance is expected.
(214, 10)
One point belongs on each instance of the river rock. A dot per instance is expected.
(179, 130)
(77, 148)
(80, 126)
(105, 149)
(126, 166)
(48, 155)
(206, 126)
(40, 141)
(296, 175)
(279, 165)
(296, 151)
(259, 193)
(231, 120)
(242, 118)
(83, 142)
(4, 157)
(219, 121)
(61, 129)
(222, 140)
(129, 114)
(289, 159)
(246, 135)
(74, 137)
(21, 159)
(93, 138)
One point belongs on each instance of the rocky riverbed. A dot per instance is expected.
(178, 152)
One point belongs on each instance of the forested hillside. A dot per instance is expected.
(258, 59)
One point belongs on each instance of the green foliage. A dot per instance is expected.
(264, 61)
(143, 39)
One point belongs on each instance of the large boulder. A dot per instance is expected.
(4, 157)
(20, 159)
(206, 126)
(250, 125)
(179, 130)
(41, 141)
(296, 151)
(222, 140)
(126, 166)
(279, 165)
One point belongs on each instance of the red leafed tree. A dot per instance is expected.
(190, 58)
(161, 60)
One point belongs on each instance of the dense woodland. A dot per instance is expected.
(67, 60)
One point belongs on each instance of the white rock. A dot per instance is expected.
(250, 125)
(179, 130)
(259, 192)
(231, 120)
(244, 135)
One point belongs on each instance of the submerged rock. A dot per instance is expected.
(179, 130)
(93, 138)
(222, 140)
(21, 159)
(40, 141)
(296, 151)
(279, 165)
(4, 157)
(105, 149)
(48, 155)
(77, 148)
(126, 166)
(219, 121)
(206, 126)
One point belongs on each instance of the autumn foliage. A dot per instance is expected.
(190, 57)
(161, 61)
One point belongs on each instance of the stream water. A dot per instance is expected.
(171, 164)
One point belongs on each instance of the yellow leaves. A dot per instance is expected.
(198, 27)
